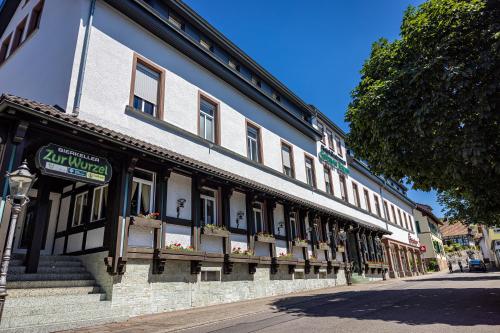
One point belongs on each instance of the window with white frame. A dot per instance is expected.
(286, 156)
(258, 217)
(356, 195)
(146, 89)
(79, 208)
(208, 199)
(377, 205)
(367, 200)
(143, 192)
(329, 136)
(208, 114)
(339, 146)
(328, 181)
(343, 188)
(253, 143)
(99, 203)
(310, 177)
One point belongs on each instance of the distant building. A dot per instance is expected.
(490, 245)
(457, 233)
(431, 240)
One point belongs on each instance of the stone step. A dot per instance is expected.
(49, 277)
(54, 291)
(49, 284)
(37, 301)
(51, 306)
(48, 269)
(45, 263)
(98, 311)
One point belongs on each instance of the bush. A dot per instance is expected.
(432, 265)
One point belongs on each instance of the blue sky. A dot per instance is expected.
(315, 47)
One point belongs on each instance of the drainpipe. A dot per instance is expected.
(83, 60)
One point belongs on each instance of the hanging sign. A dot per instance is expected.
(328, 157)
(58, 161)
(423, 248)
(412, 240)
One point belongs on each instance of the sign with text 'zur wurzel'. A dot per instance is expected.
(62, 162)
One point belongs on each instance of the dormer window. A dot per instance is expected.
(276, 96)
(234, 65)
(256, 81)
(206, 44)
(176, 21)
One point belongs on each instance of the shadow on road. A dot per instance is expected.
(456, 277)
(451, 306)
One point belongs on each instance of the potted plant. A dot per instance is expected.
(299, 242)
(324, 246)
(148, 221)
(285, 256)
(179, 247)
(239, 252)
(264, 237)
(215, 230)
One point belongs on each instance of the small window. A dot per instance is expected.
(417, 225)
(253, 143)
(208, 119)
(175, 20)
(276, 96)
(367, 200)
(210, 275)
(208, 206)
(343, 188)
(99, 203)
(339, 146)
(310, 176)
(287, 159)
(401, 219)
(329, 136)
(386, 207)
(256, 81)
(258, 217)
(143, 192)
(18, 35)
(206, 44)
(328, 181)
(80, 206)
(147, 89)
(234, 65)
(295, 225)
(394, 214)
(377, 205)
(321, 128)
(35, 18)
(356, 195)
(298, 275)
(4, 49)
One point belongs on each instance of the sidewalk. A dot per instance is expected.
(196, 317)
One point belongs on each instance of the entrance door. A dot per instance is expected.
(25, 224)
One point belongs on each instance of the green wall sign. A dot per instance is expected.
(325, 156)
(62, 162)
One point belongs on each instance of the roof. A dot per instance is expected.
(55, 114)
(427, 211)
(453, 229)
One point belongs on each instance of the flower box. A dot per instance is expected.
(144, 222)
(244, 258)
(263, 238)
(215, 231)
(341, 248)
(323, 246)
(300, 243)
(182, 254)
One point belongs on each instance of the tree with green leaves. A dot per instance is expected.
(427, 107)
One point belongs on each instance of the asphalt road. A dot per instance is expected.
(439, 303)
(458, 302)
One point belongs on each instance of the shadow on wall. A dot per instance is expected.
(454, 307)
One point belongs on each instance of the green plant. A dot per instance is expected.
(265, 234)
(179, 247)
(239, 251)
(284, 255)
(214, 227)
(432, 265)
(150, 216)
(300, 241)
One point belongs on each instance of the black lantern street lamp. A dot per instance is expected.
(20, 182)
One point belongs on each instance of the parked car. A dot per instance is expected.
(477, 265)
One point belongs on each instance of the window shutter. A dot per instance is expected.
(146, 84)
(286, 157)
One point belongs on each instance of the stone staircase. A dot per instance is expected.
(61, 295)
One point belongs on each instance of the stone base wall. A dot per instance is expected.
(141, 292)
(94, 263)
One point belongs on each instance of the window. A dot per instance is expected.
(417, 225)
(295, 224)
(4, 49)
(276, 96)
(207, 128)
(253, 143)
(257, 217)
(80, 206)
(143, 192)
(99, 203)
(339, 146)
(343, 188)
(256, 81)
(147, 88)
(329, 136)
(36, 16)
(394, 214)
(310, 177)
(356, 195)
(409, 221)
(208, 206)
(18, 35)
(234, 65)
(367, 200)
(328, 181)
(377, 205)
(386, 206)
(321, 128)
(175, 20)
(206, 44)
(287, 159)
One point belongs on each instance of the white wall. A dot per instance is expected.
(179, 187)
(237, 204)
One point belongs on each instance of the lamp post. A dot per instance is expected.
(20, 182)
